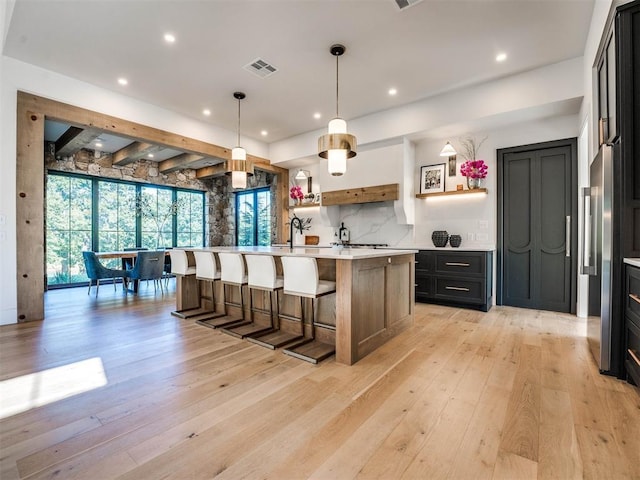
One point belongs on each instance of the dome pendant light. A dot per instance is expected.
(337, 145)
(238, 164)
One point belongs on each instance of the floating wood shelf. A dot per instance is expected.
(377, 193)
(304, 205)
(452, 192)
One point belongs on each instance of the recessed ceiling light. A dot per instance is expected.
(98, 144)
(206, 112)
(264, 133)
(150, 155)
(392, 91)
(317, 115)
(501, 57)
(123, 81)
(169, 38)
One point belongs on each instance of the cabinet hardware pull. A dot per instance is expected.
(415, 284)
(457, 264)
(416, 262)
(567, 245)
(633, 355)
(461, 289)
(634, 297)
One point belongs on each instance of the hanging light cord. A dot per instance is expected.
(337, 84)
(238, 144)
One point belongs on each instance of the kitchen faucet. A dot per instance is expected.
(299, 222)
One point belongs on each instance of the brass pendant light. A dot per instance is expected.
(337, 145)
(238, 166)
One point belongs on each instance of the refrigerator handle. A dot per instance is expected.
(586, 234)
(567, 244)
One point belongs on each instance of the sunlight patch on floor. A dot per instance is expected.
(23, 393)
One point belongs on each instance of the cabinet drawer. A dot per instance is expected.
(632, 294)
(462, 263)
(632, 351)
(424, 261)
(460, 289)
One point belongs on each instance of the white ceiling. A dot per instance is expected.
(431, 47)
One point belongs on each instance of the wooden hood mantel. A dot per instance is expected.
(377, 193)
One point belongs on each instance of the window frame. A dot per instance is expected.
(95, 202)
(254, 192)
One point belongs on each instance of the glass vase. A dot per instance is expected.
(474, 183)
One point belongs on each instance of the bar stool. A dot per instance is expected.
(264, 281)
(301, 279)
(207, 270)
(263, 276)
(180, 268)
(232, 272)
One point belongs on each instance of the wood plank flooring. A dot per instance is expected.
(509, 394)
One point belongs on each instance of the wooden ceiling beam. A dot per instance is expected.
(134, 151)
(74, 139)
(211, 172)
(183, 160)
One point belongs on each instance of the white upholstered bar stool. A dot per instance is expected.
(232, 273)
(180, 268)
(263, 276)
(301, 279)
(207, 270)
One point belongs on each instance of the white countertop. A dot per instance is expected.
(315, 252)
(632, 261)
(464, 248)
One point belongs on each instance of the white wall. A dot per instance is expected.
(16, 76)
(514, 96)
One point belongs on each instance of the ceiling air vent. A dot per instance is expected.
(260, 68)
(402, 4)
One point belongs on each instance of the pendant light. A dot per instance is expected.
(238, 164)
(337, 145)
(448, 151)
(302, 174)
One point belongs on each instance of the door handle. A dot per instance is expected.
(456, 264)
(567, 245)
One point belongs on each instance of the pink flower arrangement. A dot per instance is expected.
(296, 193)
(474, 169)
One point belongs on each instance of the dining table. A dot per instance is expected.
(124, 255)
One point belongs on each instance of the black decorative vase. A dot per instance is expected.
(440, 238)
(455, 240)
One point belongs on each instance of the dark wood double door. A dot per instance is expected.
(537, 226)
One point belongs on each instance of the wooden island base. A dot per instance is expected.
(374, 298)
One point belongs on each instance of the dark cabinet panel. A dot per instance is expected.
(632, 323)
(461, 278)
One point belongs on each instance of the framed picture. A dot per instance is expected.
(432, 178)
(452, 166)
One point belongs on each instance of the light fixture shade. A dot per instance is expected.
(448, 151)
(337, 162)
(301, 175)
(238, 153)
(337, 125)
(238, 179)
(337, 145)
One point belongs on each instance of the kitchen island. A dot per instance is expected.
(374, 298)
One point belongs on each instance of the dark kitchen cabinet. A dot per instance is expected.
(616, 98)
(458, 278)
(632, 323)
(606, 92)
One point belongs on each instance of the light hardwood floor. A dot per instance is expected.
(508, 394)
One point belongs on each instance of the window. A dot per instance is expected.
(86, 213)
(69, 205)
(190, 227)
(253, 217)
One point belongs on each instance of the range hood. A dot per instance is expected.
(384, 174)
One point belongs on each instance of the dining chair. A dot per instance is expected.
(149, 266)
(96, 271)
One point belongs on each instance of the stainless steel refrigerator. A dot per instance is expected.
(600, 261)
